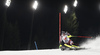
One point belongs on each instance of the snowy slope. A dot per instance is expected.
(52, 52)
(94, 46)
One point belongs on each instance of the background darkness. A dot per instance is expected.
(45, 20)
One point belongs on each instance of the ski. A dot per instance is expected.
(66, 48)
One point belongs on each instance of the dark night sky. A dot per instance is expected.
(46, 16)
(87, 11)
(88, 15)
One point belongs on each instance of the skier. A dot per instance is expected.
(66, 41)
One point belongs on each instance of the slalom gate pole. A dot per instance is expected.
(36, 45)
(83, 36)
(59, 27)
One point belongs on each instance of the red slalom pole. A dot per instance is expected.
(84, 36)
(59, 27)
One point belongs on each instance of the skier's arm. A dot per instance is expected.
(69, 36)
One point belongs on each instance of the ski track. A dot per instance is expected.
(52, 52)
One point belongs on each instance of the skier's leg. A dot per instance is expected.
(75, 46)
(67, 45)
(61, 44)
(72, 44)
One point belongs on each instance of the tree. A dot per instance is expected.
(70, 24)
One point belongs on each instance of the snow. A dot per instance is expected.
(52, 52)
(92, 44)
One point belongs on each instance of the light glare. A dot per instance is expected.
(66, 8)
(35, 4)
(8, 3)
(75, 3)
